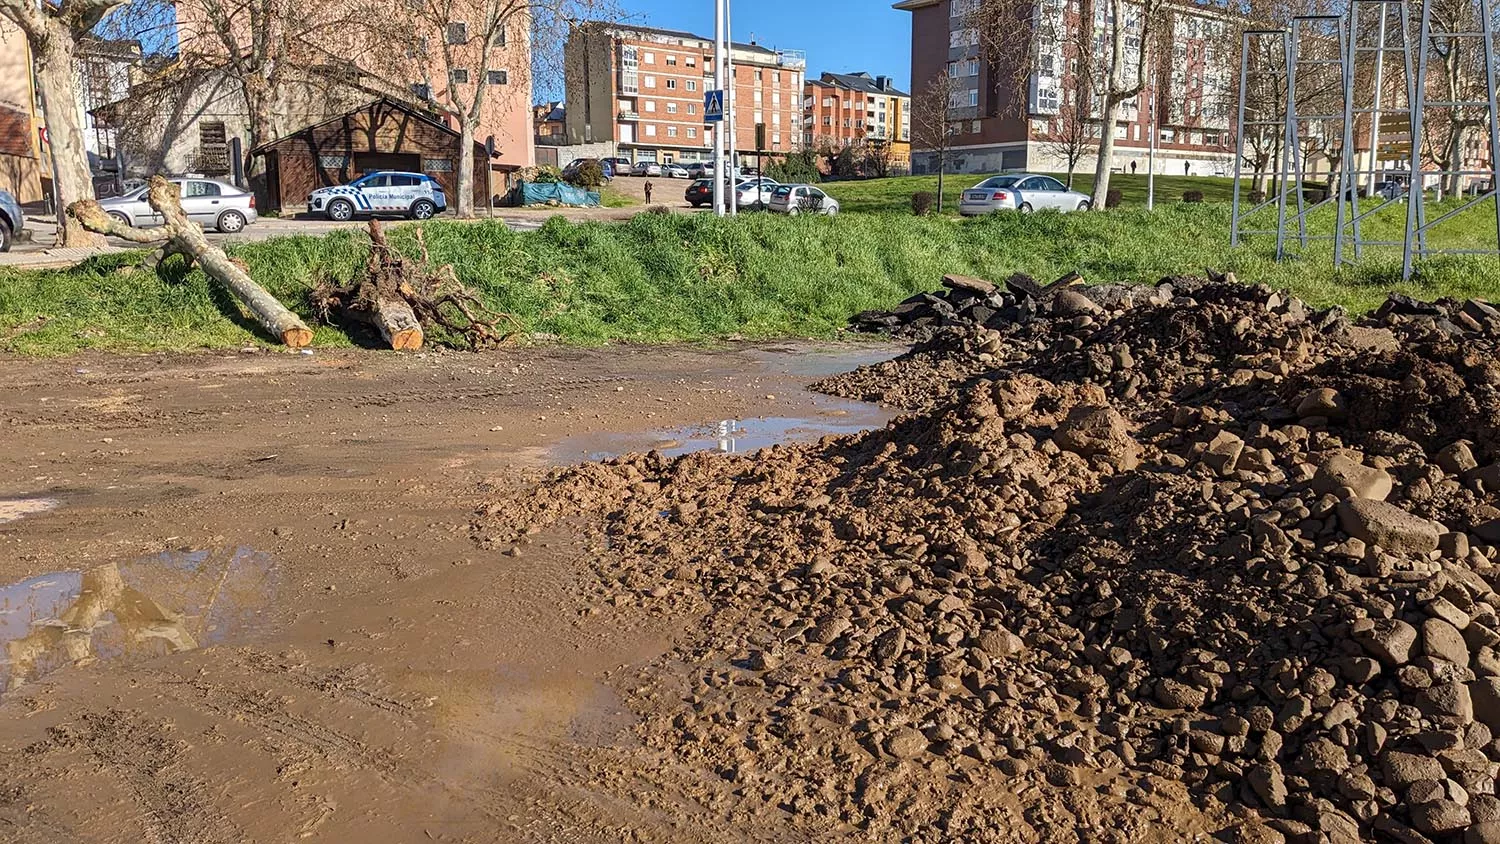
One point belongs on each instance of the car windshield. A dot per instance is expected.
(362, 180)
(782, 190)
(999, 182)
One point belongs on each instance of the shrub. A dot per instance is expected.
(1111, 198)
(1192, 196)
(922, 203)
(797, 168)
(590, 174)
(658, 209)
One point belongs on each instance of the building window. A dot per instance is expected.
(437, 165)
(650, 130)
(671, 108)
(692, 61)
(971, 67)
(692, 108)
(692, 131)
(671, 84)
(671, 131)
(213, 148)
(333, 162)
(671, 61)
(651, 106)
(499, 39)
(649, 80)
(692, 84)
(457, 33)
(629, 68)
(960, 38)
(460, 75)
(497, 77)
(974, 127)
(648, 58)
(973, 97)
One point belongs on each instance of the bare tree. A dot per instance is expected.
(934, 123)
(1457, 73)
(1073, 137)
(53, 29)
(466, 54)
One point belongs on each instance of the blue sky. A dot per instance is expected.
(838, 35)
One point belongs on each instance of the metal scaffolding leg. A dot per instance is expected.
(1418, 227)
(1393, 18)
(1295, 170)
(1253, 69)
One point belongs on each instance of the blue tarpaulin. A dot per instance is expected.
(543, 193)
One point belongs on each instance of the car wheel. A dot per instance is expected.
(231, 222)
(340, 210)
(1025, 208)
(1085, 205)
(120, 218)
(5, 236)
(422, 210)
(793, 211)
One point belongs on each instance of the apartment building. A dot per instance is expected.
(20, 143)
(843, 109)
(1005, 114)
(642, 90)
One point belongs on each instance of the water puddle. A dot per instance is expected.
(728, 436)
(166, 604)
(13, 509)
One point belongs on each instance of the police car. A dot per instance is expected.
(414, 195)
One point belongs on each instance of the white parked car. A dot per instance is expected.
(414, 195)
(674, 171)
(755, 192)
(210, 203)
(646, 168)
(802, 199)
(1024, 192)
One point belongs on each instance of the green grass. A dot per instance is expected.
(894, 194)
(657, 278)
(611, 198)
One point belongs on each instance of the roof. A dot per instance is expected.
(913, 5)
(860, 81)
(677, 33)
(386, 101)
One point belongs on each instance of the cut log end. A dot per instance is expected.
(297, 338)
(407, 341)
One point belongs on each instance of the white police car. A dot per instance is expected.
(414, 195)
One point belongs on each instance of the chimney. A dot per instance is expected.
(883, 83)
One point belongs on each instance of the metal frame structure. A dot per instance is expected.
(1376, 111)
(1290, 166)
(1247, 41)
(1417, 226)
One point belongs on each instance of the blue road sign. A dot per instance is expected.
(713, 106)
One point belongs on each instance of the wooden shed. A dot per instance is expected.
(384, 135)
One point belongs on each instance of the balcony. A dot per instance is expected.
(629, 116)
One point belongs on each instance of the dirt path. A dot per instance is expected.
(261, 566)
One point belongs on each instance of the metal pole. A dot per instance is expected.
(719, 56)
(729, 108)
(1239, 143)
(1151, 157)
(1486, 9)
(1414, 193)
(1375, 113)
(1346, 181)
(1288, 139)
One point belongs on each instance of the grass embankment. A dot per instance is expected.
(694, 277)
(894, 194)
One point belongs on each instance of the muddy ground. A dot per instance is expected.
(245, 604)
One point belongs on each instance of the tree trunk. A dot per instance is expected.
(942, 165)
(1111, 116)
(186, 237)
(466, 168)
(55, 68)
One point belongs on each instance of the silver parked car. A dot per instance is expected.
(802, 199)
(674, 171)
(646, 168)
(210, 203)
(1024, 192)
(756, 191)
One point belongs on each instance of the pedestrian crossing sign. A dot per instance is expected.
(713, 106)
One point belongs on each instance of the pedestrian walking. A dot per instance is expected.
(1132, 167)
(648, 191)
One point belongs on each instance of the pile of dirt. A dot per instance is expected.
(1196, 558)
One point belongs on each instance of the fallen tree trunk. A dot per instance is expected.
(404, 299)
(183, 236)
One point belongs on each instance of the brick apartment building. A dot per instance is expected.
(641, 89)
(1010, 117)
(841, 109)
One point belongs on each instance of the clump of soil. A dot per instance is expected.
(1197, 559)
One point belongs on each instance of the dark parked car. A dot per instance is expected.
(572, 169)
(11, 219)
(700, 193)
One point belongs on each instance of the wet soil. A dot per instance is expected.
(239, 599)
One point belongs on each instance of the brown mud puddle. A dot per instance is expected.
(366, 673)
